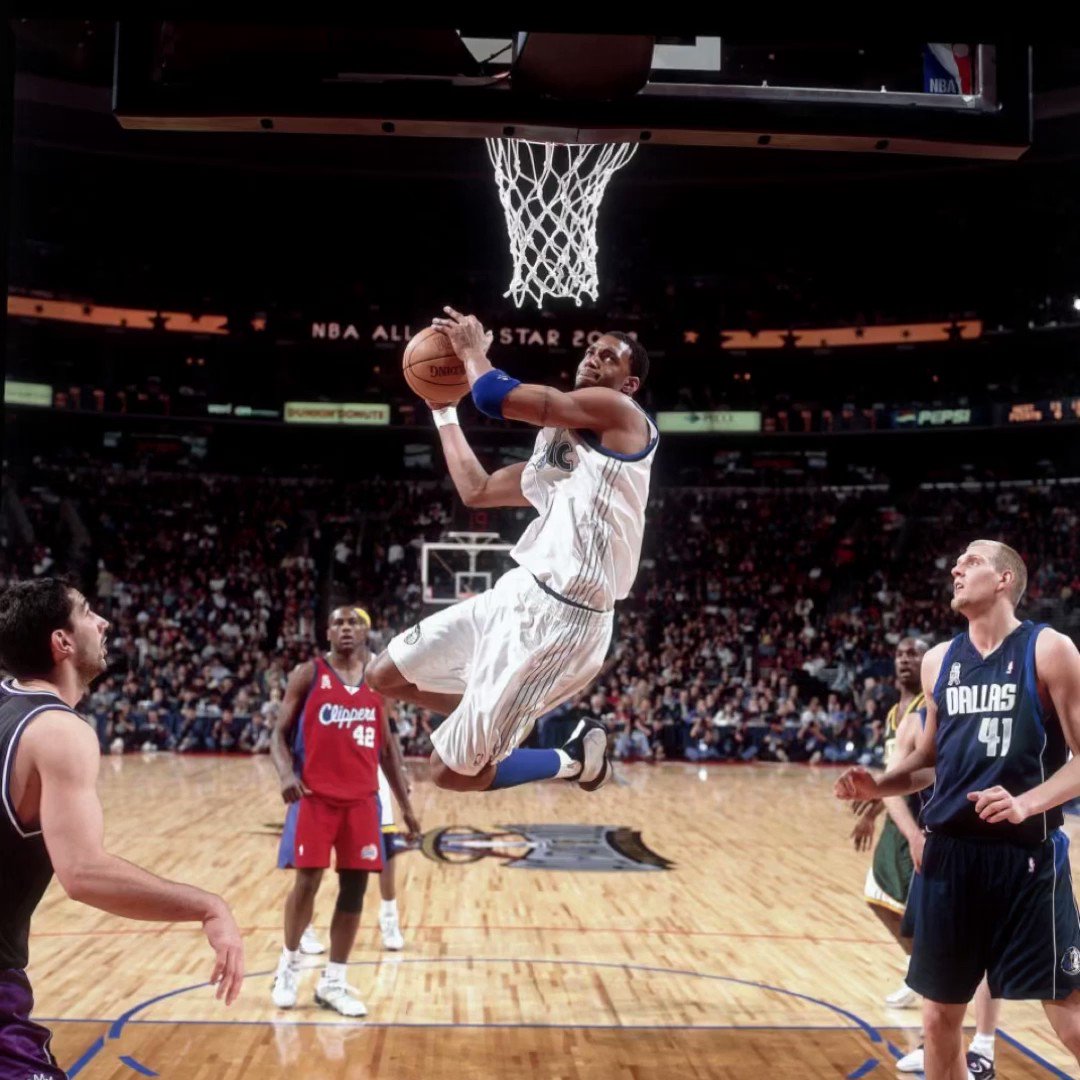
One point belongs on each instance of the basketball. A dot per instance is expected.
(432, 368)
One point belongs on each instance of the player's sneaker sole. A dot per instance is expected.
(595, 741)
(588, 744)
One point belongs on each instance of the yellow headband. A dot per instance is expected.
(363, 615)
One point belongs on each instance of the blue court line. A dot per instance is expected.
(872, 1033)
(505, 1024)
(867, 1066)
(138, 1066)
(1052, 1069)
(88, 1055)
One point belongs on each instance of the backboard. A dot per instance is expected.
(461, 565)
(876, 95)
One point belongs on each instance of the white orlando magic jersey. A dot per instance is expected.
(586, 543)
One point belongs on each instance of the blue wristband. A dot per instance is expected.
(489, 390)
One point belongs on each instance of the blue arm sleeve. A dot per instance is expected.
(489, 390)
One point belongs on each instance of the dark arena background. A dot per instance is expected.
(855, 266)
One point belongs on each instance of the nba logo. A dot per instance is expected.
(1009, 668)
(947, 69)
(954, 675)
(325, 684)
(1070, 962)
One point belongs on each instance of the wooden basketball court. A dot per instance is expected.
(753, 956)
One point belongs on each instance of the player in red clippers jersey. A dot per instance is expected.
(330, 738)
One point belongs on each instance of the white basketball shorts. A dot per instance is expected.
(386, 800)
(513, 653)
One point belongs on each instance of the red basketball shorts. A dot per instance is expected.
(314, 827)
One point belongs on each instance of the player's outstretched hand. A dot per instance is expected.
(412, 824)
(224, 937)
(856, 783)
(996, 804)
(863, 833)
(466, 333)
(293, 789)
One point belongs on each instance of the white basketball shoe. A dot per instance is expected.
(286, 983)
(392, 938)
(340, 997)
(904, 998)
(310, 945)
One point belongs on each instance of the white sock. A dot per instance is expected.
(983, 1044)
(290, 957)
(334, 973)
(568, 767)
(387, 908)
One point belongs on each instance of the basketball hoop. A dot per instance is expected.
(550, 193)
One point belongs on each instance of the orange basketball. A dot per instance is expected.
(432, 368)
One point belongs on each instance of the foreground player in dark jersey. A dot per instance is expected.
(330, 738)
(1003, 711)
(54, 646)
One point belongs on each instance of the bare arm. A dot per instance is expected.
(476, 486)
(292, 787)
(1058, 665)
(896, 806)
(63, 751)
(392, 764)
(593, 408)
(916, 770)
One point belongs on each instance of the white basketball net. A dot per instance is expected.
(551, 195)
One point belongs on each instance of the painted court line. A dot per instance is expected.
(868, 1065)
(138, 1066)
(117, 1027)
(854, 1022)
(1027, 1052)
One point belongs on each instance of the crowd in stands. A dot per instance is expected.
(761, 625)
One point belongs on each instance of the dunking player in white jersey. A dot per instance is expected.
(494, 663)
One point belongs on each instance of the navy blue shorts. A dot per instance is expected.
(999, 908)
(24, 1045)
(907, 922)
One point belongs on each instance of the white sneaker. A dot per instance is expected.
(340, 997)
(904, 998)
(911, 1063)
(391, 932)
(310, 945)
(286, 983)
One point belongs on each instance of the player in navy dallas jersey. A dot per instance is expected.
(54, 646)
(1003, 712)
